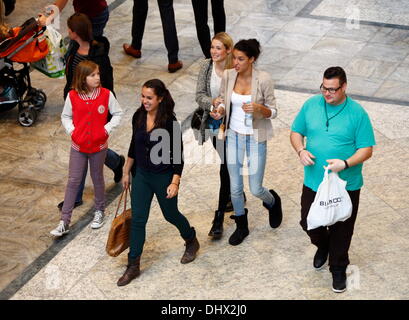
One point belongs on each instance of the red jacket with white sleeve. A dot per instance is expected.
(85, 117)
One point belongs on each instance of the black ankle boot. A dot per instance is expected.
(217, 228)
(339, 279)
(242, 229)
(320, 258)
(275, 214)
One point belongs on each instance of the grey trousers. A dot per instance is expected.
(77, 166)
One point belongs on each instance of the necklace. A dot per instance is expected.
(326, 112)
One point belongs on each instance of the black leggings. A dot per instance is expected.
(144, 186)
(224, 191)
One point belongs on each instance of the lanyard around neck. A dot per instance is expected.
(326, 111)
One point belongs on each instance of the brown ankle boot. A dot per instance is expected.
(132, 271)
(192, 246)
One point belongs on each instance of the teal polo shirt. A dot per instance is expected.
(348, 130)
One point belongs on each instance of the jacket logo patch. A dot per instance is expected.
(101, 109)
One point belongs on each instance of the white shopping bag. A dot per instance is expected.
(331, 204)
(53, 64)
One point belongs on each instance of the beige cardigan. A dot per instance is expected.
(262, 92)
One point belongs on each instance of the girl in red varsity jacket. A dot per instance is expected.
(85, 117)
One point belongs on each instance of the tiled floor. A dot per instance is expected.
(300, 39)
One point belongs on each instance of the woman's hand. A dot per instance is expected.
(215, 115)
(249, 107)
(172, 190)
(217, 101)
(41, 20)
(125, 180)
(220, 110)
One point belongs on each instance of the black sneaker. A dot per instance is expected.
(76, 204)
(119, 170)
(320, 258)
(339, 281)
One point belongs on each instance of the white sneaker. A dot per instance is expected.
(60, 230)
(98, 220)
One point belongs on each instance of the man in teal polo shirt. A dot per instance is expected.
(339, 135)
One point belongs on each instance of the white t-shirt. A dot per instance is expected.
(237, 114)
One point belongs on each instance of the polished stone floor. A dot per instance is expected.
(300, 39)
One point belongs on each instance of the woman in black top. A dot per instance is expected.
(156, 164)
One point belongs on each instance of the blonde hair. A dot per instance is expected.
(82, 71)
(228, 43)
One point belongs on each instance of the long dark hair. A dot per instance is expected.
(166, 106)
(81, 25)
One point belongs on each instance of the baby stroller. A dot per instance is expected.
(24, 44)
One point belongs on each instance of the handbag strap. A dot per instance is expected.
(125, 191)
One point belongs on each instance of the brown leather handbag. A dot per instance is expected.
(118, 239)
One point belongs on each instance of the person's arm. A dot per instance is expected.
(61, 4)
(203, 98)
(358, 157)
(176, 158)
(269, 108)
(130, 160)
(66, 116)
(116, 112)
(127, 172)
(297, 141)
(42, 20)
(257, 108)
(220, 109)
(106, 71)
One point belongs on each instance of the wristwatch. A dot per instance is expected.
(346, 164)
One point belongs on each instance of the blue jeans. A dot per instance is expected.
(237, 145)
(112, 161)
(99, 22)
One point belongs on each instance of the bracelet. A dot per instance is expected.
(346, 165)
(175, 184)
(299, 151)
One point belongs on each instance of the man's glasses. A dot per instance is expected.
(330, 90)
